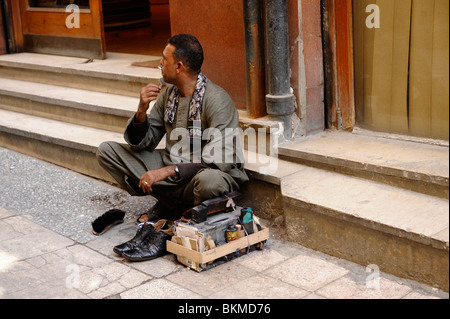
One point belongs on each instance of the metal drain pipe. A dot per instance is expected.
(280, 101)
(254, 56)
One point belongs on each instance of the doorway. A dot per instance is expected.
(141, 28)
(402, 67)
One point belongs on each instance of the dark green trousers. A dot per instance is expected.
(127, 166)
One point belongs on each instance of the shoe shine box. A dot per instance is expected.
(215, 225)
(199, 244)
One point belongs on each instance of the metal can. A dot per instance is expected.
(231, 234)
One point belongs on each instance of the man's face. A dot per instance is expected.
(169, 65)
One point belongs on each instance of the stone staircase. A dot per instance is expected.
(371, 199)
(59, 109)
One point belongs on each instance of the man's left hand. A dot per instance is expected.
(148, 179)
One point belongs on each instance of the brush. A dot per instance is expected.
(109, 219)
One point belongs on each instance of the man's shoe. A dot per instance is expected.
(152, 246)
(144, 230)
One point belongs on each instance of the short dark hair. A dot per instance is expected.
(188, 50)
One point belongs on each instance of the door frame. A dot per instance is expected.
(43, 30)
(338, 64)
(12, 12)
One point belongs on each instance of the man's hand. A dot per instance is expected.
(149, 93)
(148, 179)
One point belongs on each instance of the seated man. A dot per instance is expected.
(202, 158)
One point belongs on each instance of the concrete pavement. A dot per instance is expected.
(47, 251)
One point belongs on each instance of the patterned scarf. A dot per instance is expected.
(195, 106)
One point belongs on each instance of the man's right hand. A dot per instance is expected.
(149, 93)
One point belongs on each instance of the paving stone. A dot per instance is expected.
(213, 280)
(25, 246)
(306, 272)
(260, 287)
(356, 287)
(160, 289)
(47, 292)
(7, 231)
(16, 276)
(422, 295)
(110, 280)
(5, 213)
(261, 260)
(159, 267)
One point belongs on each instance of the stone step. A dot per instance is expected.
(412, 165)
(94, 109)
(399, 231)
(261, 135)
(68, 145)
(105, 110)
(114, 75)
(60, 142)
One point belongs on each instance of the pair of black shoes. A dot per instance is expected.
(148, 243)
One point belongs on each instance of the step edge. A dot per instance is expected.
(73, 104)
(371, 224)
(64, 141)
(333, 161)
(78, 72)
(55, 138)
(49, 139)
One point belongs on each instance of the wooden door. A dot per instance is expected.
(3, 49)
(402, 67)
(63, 27)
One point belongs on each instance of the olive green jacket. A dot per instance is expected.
(220, 146)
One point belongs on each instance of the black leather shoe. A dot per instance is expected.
(151, 247)
(144, 231)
